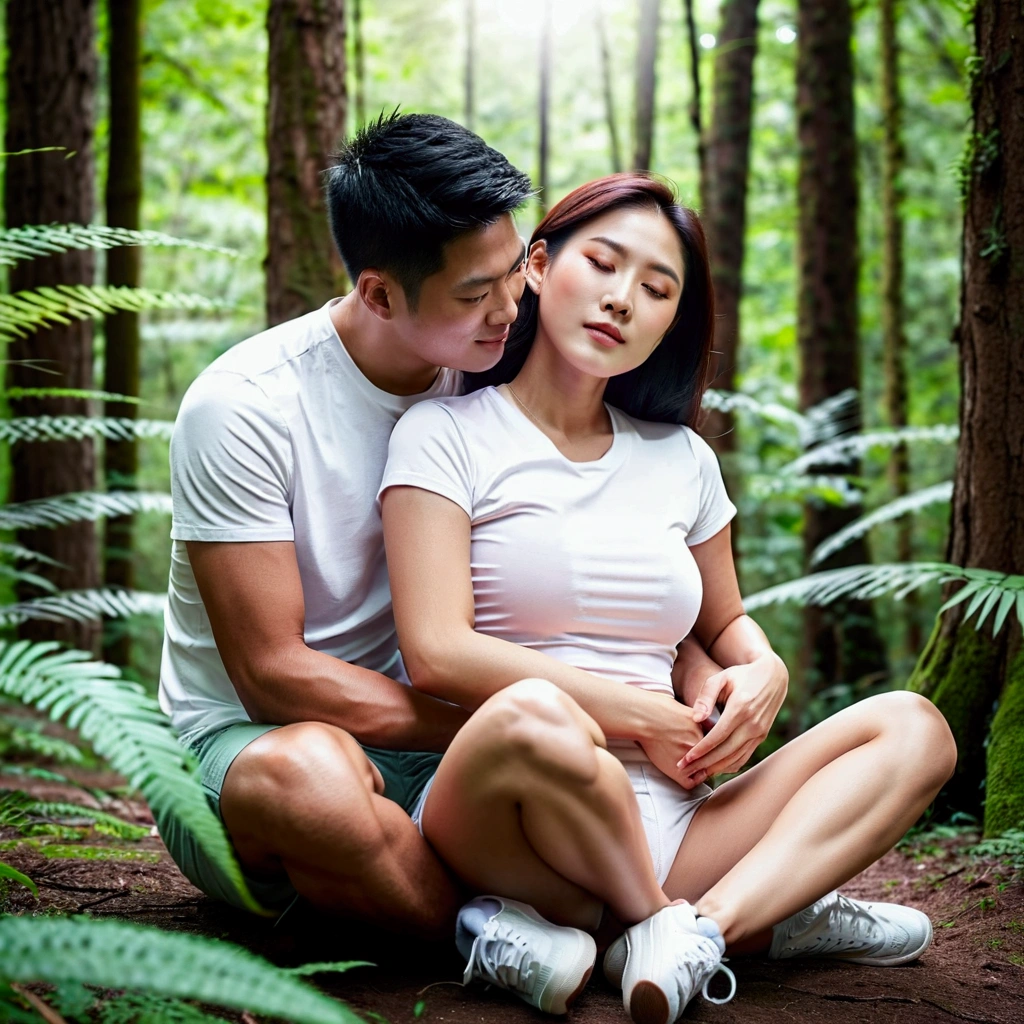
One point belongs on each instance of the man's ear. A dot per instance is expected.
(374, 290)
(537, 264)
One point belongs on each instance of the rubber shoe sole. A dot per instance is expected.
(648, 1004)
(585, 957)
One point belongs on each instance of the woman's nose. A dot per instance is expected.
(616, 306)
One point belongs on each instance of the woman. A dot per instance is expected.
(565, 523)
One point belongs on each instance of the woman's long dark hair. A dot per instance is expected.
(669, 385)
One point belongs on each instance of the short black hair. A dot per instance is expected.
(406, 185)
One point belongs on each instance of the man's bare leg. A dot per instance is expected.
(306, 799)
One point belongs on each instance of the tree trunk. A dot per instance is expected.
(696, 102)
(609, 93)
(841, 642)
(121, 360)
(894, 340)
(359, 53)
(543, 108)
(306, 120)
(469, 114)
(725, 211)
(51, 76)
(646, 61)
(968, 673)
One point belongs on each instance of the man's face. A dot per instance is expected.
(464, 311)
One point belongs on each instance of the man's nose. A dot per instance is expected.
(509, 308)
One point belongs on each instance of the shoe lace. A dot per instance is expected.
(850, 926)
(704, 966)
(502, 956)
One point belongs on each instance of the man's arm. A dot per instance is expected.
(253, 595)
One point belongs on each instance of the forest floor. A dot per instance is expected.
(974, 970)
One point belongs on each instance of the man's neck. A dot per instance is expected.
(378, 352)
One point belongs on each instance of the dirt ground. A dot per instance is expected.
(974, 970)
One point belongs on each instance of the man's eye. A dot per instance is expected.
(477, 299)
(599, 264)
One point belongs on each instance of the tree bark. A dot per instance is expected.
(696, 102)
(51, 76)
(841, 642)
(968, 673)
(725, 211)
(359, 53)
(306, 120)
(544, 108)
(894, 340)
(121, 360)
(615, 150)
(646, 62)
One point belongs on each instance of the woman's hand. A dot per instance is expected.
(752, 694)
(677, 734)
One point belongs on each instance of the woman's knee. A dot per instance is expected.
(920, 730)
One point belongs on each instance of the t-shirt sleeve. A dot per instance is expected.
(714, 507)
(427, 450)
(231, 464)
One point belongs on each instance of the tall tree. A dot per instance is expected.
(724, 201)
(609, 93)
(696, 101)
(469, 90)
(359, 55)
(841, 642)
(305, 121)
(968, 673)
(544, 107)
(121, 360)
(646, 62)
(894, 339)
(51, 76)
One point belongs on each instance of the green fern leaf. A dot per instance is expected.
(125, 727)
(852, 446)
(1006, 602)
(63, 428)
(78, 507)
(20, 553)
(111, 954)
(735, 401)
(84, 606)
(25, 312)
(104, 396)
(14, 875)
(33, 240)
(884, 514)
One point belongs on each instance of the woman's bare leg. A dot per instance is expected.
(813, 814)
(529, 805)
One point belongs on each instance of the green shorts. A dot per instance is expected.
(405, 774)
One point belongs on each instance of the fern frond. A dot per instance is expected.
(32, 240)
(986, 589)
(733, 401)
(103, 396)
(78, 507)
(20, 553)
(83, 606)
(14, 875)
(20, 576)
(125, 727)
(831, 418)
(884, 514)
(75, 428)
(25, 312)
(112, 954)
(853, 446)
(836, 490)
(17, 809)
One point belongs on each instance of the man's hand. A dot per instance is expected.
(752, 694)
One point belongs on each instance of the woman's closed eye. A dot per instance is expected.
(604, 267)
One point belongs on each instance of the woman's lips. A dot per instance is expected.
(603, 334)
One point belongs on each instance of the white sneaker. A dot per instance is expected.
(544, 964)
(662, 963)
(837, 927)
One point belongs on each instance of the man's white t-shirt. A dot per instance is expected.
(282, 439)
(587, 562)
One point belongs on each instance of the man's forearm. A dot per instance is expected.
(303, 685)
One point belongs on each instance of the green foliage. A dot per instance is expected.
(84, 606)
(25, 312)
(22, 736)
(109, 954)
(853, 446)
(64, 428)
(79, 507)
(980, 153)
(142, 1008)
(54, 849)
(33, 240)
(19, 810)
(13, 875)
(1008, 848)
(126, 727)
(84, 394)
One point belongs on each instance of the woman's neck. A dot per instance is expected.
(559, 396)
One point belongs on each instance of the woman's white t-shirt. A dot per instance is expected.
(588, 562)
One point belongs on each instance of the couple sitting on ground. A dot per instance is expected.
(559, 581)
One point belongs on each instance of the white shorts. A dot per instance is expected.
(666, 810)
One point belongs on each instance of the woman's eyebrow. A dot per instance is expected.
(623, 251)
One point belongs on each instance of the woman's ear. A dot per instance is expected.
(537, 264)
